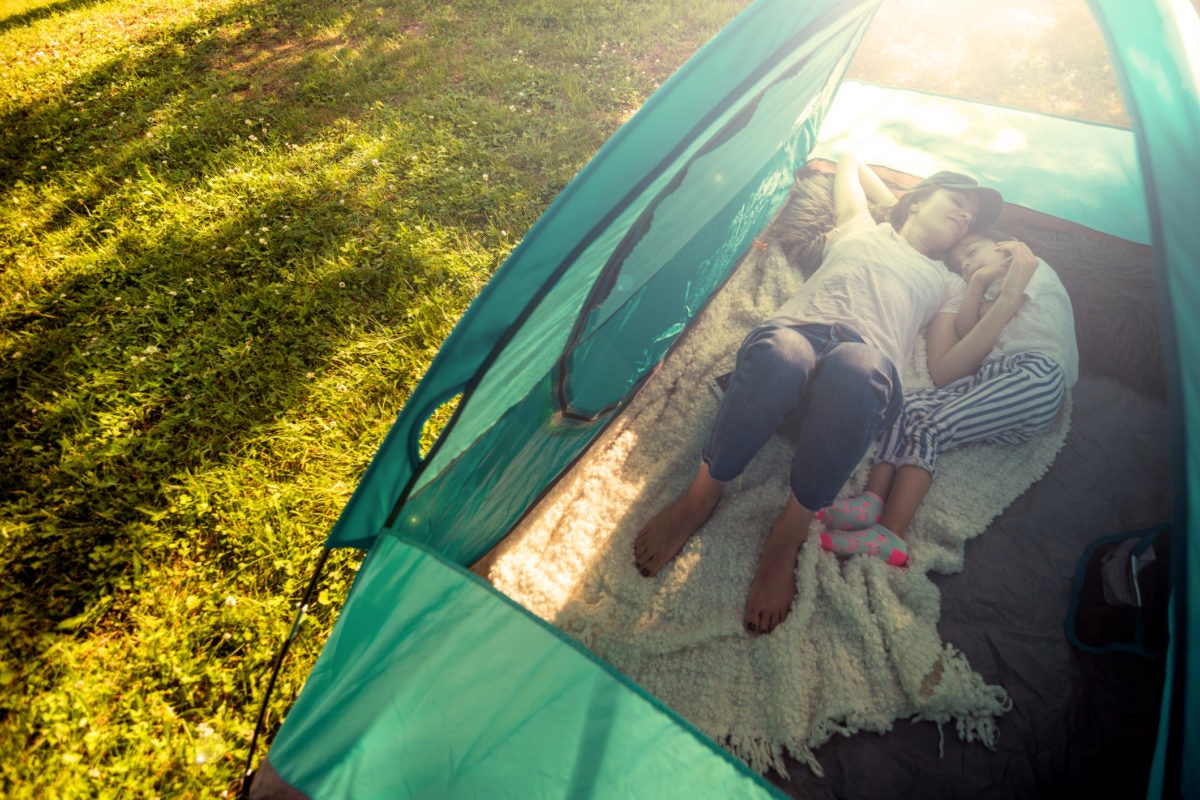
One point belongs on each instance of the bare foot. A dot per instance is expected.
(774, 586)
(667, 531)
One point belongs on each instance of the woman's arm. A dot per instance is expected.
(855, 187)
(950, 357)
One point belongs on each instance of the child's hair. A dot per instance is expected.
(993, 235)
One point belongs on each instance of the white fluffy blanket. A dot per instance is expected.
(860, 648)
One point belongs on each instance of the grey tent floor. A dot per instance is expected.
(1082, 724)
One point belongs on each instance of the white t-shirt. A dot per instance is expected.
(1044, 324)
(877, 283)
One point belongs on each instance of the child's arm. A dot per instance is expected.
(974, 307)
(951, 358)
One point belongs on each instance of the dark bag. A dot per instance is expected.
(1122, 589)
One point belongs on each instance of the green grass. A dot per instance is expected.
(233, 234)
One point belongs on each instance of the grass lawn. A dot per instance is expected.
(232, 236)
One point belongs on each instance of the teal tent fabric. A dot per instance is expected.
(1156, 48)
(435, 688)
(432, 684)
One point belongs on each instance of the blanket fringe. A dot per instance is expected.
(978, 726)
(763, 755)
(805, 755)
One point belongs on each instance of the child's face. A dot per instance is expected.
(972, 252)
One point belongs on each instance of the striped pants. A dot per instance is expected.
(1008, 401)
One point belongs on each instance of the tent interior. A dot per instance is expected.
(588, 361)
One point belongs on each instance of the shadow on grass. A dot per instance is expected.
(38, 14)
(93, 438)
(94, 441)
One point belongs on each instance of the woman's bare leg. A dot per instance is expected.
(774, 586)
(661, 539)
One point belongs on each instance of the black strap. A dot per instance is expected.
(248, 773)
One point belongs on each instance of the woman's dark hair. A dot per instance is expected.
(900, 211)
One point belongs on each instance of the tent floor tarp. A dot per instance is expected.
(1082, 723)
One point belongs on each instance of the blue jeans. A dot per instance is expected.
(836, 392)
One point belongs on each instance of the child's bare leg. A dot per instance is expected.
(880, 478)
(661, 539)
(909, 489)
(774, 586)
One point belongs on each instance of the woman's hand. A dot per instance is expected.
(984, 276)
(1022, 265)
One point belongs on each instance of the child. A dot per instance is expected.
(1015, 395)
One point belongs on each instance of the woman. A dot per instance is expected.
(832, 354)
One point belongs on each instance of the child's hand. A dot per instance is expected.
(984, 276)
(1022, 266)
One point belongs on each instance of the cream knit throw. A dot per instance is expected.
(860, 648)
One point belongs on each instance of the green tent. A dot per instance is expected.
(435, 685)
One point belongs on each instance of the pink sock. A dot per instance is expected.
(853, 513)
(876, 541)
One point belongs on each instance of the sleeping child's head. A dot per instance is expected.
(976, 250)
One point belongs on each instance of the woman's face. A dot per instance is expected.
(945, 216)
